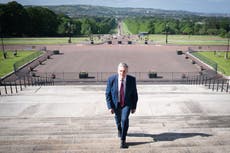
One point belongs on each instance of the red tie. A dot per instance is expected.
(122, 94)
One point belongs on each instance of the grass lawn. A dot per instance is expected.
(158, 39)
(6, 65)
(219, 58)
(125, 29)
(45, 41)
(189, 40)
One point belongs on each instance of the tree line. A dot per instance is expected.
(196, 25)
(17, 20)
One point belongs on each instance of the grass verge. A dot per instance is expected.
(44, 41)
(6, 65)
(189, 39)
(219, 58)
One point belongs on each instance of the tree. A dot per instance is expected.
(199, 28)
(69, 30)
(212, 31)
(187, 30)
(62, 20)
(43, 22)
(159, 27)
(77, 25)
(14, 19)
(85, 27)
(105, 25)
(173, 27)
(151, 27)
(222, 32)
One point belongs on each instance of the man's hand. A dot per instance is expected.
(111, 111)
(133, 111)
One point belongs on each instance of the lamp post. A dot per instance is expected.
(228, 46)
(3, 47)
(228, 41)
(228, 37)
(166, 33)
(91, 39)
(69, 31)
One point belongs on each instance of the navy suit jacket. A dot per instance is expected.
(131, 96)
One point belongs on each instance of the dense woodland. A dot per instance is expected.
(189, 26)
(17, 20)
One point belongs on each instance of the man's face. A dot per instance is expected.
(122, 71)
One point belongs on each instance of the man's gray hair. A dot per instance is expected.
(123, 65)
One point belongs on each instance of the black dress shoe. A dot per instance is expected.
(119, 133)
(123, 145)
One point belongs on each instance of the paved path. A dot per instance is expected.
(104, 58)
(169, 119)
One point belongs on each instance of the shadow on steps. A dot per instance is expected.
(164, 137)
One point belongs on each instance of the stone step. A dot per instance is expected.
(89, 100)
(146, 134)
(169, 119)
(175, 139)
(83, 89)
(89, 148)
(100, 124)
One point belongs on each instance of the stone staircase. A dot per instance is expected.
(166, 134)
(42, 120)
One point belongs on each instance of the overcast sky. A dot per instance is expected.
(205, 6)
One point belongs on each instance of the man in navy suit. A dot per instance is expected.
(121, 97)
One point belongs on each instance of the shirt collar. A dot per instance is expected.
(124, 80)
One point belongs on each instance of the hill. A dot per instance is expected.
(89, 10)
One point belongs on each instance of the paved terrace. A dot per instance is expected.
(169, 119)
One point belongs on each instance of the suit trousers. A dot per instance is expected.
(122, 120)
